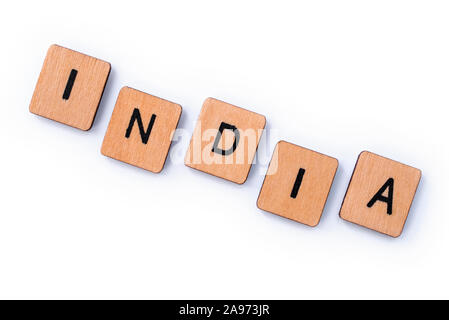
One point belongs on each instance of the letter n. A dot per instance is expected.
(144, 135)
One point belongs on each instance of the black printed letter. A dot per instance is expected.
(229, 151)
(69, 85)
(379, 197)
(298, 182)
(136, 117)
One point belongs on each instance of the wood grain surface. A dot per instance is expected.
(51, 98)
(306, 202)
(151, 154)
(370, 175)
(234, 167)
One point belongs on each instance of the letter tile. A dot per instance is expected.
(297, 183)
(141, 129)
(225, 140)
(70, 87)
(380, 194)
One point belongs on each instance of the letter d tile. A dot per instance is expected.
(225, 140)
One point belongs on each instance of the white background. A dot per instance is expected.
(338, 77)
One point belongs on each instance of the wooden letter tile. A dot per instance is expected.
(70, 87)
(297, 183)
(225, 140)
(380, 194)
(141, 129)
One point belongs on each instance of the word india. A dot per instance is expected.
(224, 143)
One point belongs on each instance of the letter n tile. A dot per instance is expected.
(141, 129)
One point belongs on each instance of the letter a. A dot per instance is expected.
(379, 196)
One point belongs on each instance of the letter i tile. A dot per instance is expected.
(70, 87)
(380, 194)
(141, 129)
(297, 183)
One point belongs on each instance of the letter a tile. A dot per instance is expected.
(70, 87)
(141, 129)
(297, 183)
(225, 140)
(380, 194)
